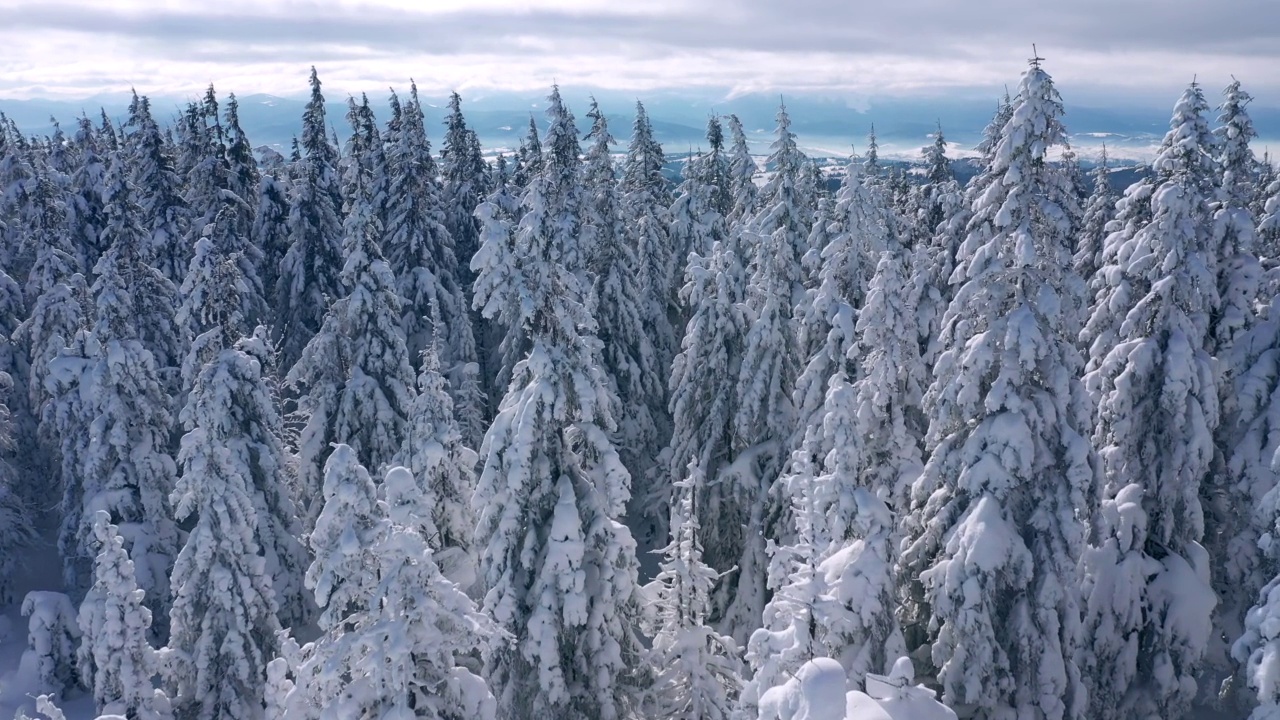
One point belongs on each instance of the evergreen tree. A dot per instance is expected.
(1233, 224)
(401, 646)
(703, 201)
(1147, 579)
(56, 317)
(270, 230)
(244, 176)
(308, 280)
(1239, 274)
(223, 621)
(617, 301)
(860, 229)
(932, 200)
(704, 400)
(871, 164)
(342, 575)
(742, 172)
(645, 203)
(52, 637)
(788, 638)
(1269, 224)
(44, 236)
(355, 372)
(698, 672)
(17, 531)
(422, 248)
(443, 468)
(115, 659)
(934, 260)
(86, 214)
(1098, 211)
(529, 160)
(164, 212)
(866, 424)
(559, 568)
(127, 470)
(1248, 561)
(765, 419)
(996, 525)
(221, 288)
(494, 266)
(465, 185)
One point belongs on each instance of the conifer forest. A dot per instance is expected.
(390, 425)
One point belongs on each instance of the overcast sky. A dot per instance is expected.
(1139, 49)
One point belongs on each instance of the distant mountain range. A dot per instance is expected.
(825, 127)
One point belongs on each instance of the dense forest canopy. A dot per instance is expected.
(392, 426)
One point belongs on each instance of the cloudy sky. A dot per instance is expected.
(1098, 48)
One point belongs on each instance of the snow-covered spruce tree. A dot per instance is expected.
(270, 230)
(164, 212)
(703, 200)
(742, 173)
(1098, 211)
(354, 374)
(85, 213)
(308, 280)
(889, 427)
(704, 400)
(1147, 577)
(1269, 225)
(840, 571)
(997, 519)
(621, 310)
(764, 421)
(698, 672)
(1232, 246)
(244, 176)
(528, 160)
(404, 647)
(559, 568)
(645, 203)
(203, 162)
(443, 468)
(223, 216)
(58, 295)
(61, 155)
(466, 182)
(935, 258)
(65, 418)
(995, 128)
(17, 528)
(127, 468)
(1134, 211)
(421, 248)
(494, 266)
(52, 638)
(143, 173)
(221, 289)
(870, 452)
(1251, 556)
(1239, 275)
(825, 332)
(856, 622)
(931, 200)
(788, 636)
(114, 657)
(342, 575)
(44, 236)
(223, 621)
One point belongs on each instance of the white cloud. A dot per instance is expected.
(1147, 48)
